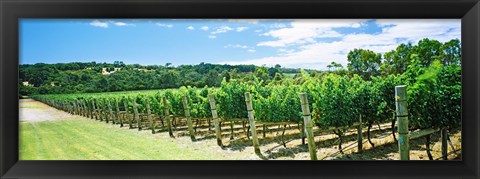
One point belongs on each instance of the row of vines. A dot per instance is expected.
(336, 101)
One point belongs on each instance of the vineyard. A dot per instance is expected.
(417, 103)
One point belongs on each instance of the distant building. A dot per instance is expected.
(25, 83)
(105, 72)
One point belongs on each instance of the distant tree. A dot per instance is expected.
(118, 64)
(273, 71)
(427, 50)
(366, 63)
(396, 61)
(334, 66)
(262, 73)
(451, 53)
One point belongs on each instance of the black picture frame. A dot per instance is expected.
(12, 10)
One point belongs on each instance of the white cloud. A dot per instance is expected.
(305, 31)
(235, 46)
(165, 25)
(250, 21)
(121, 24)
(191, 28)
(105, 24)
(278, 25)
(259, 30)
(239, 29)
(98, 23)
(316, 55)
(204, 28)
(212, 36)
(222, 29)
(249, 49)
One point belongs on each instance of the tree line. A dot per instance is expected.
(80, 77)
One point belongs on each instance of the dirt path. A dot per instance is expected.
(34, 111)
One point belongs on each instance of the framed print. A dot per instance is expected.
(244, 89)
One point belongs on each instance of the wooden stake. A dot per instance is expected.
(89, 111)
(216, 121)
(85, 108)
(307, 120)
(444, 136)
(105, 114)
(251, 119)
(136, 115)
(168, 117)
(402, 121)
(186, 108)
(82, 108)
(75, 109)
(111, 112)
(127, 114)
(231, 130)
(100, 110)
(149, 116)
(359, 134)
(118, 113)
(95, 113)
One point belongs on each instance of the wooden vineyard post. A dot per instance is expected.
(186, 108)
(359, 134)
(85, 108)
(127, 115)
(168, 117)
(135, 111)
(444, 136)
(302, 130)
(89, 109)
(105, 114)
(307, 120)
(216, 121)
(79, 106)
(100, 110)
(231, 130)
(95, 111)
(149, 116)
(82, 108)
(117, 114)
(251, 119)
(111, 112)
(75, 107)
(70, 107)
(402, 121)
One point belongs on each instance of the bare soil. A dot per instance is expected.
(34, 111)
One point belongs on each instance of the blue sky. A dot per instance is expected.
(291, 43)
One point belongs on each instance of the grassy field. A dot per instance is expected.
(91, 140)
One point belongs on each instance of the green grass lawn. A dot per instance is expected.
(93, 140)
